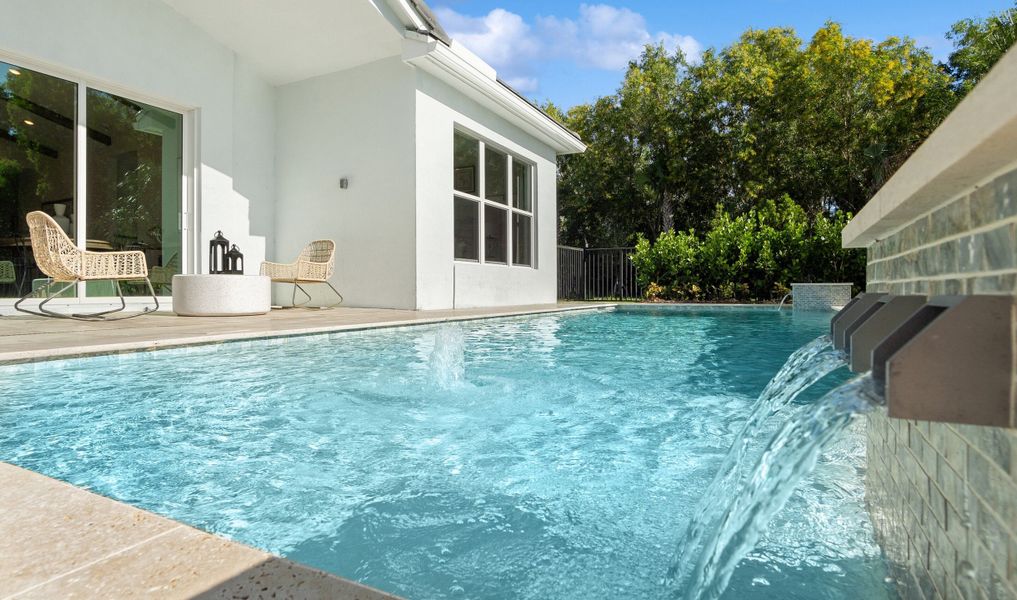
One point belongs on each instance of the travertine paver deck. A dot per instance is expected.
(59, 541)
(31, 338)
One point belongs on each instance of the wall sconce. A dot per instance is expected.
(344, 183)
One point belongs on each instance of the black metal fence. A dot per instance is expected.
(589, 273)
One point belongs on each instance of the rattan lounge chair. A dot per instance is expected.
(315, 264)
(64, 263)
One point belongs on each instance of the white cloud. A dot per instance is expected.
(601, 37)
(607, 37)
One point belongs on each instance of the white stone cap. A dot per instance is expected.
(977, 141)
(819, 284)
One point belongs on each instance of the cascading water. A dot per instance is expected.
(447, 363)
(806, 366)
(790, 456)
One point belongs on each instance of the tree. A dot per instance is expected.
(824, 123)
(978, 44)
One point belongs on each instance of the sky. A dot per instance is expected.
(572, 52)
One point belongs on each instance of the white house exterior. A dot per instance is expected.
(157, 123)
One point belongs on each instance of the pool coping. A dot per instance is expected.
(69, 542)
(146, 345)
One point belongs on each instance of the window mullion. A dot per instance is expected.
(531, 189)
(481, 176)
(509, 200)
(80, 175)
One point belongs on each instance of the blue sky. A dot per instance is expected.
(571, 52)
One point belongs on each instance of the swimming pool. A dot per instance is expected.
(547, 456)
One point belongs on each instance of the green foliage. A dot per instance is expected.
(978, 44)
(686, 147)
(824, 122)
(752, 256)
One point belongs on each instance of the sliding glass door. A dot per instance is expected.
(133, 182)
(38, 116)
(121, 189)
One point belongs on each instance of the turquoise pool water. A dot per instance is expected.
(540, 457)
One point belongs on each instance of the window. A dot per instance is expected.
(130, 197)
(492, 205)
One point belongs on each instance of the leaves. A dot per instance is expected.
(978, 44)
(753, 256)
(825, 122)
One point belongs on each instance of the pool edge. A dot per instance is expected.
(101, 349)
(61, 540)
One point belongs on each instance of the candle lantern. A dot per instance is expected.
(217, 250)
(234, 261)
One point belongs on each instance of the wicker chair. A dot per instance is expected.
(7, 274)
(64, 263)
(315, 264)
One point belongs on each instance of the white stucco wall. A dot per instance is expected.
(358, 124)
(145, 50)
(268, 160)
(441, 281)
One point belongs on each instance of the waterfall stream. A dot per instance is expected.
(789, 457)
(755, 480)
(805, 367)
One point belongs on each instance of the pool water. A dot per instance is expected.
(554, 456)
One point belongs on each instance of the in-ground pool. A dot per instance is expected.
(539, 457)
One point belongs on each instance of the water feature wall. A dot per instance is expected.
(820, 296)
(943, 496)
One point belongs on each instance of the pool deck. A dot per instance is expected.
(26, 339)
(61, 541)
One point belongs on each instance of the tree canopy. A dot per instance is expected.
(823, 122)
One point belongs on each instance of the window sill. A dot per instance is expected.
(502, 265)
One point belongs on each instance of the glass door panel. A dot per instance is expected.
(37, 168)
(134, 179)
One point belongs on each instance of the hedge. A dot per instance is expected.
(751, 257)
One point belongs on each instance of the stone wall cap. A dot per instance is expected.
(975, 142)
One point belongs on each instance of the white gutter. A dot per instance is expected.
(461, 73)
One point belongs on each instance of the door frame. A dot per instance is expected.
(190, 190)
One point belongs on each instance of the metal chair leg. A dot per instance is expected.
(43, 312)
(98, 316)
(297, 286)
(329, 284)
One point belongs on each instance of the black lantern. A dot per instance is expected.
(234, 261)
(218, 248)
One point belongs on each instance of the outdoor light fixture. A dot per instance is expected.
(27, 122)
(218, 248)
(234, 261)
(14, 71)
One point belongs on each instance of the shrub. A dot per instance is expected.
(753, 256)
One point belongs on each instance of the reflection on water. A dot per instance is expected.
(564, 464)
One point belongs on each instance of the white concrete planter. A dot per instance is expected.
(221, 295)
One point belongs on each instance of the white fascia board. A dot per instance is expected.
(444, 63)
(977, 141)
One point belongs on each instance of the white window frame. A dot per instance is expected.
(509, 207)
(189, 251)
